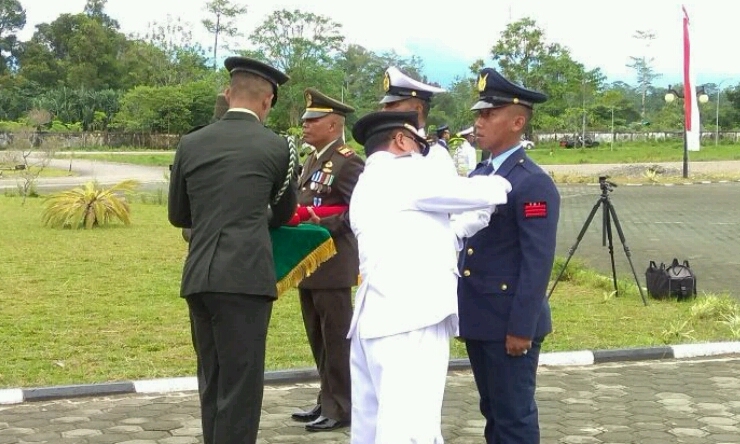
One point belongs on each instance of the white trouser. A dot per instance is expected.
(398, 384)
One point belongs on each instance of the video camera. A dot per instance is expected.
(606, 185)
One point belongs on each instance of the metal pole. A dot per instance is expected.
(583, 142)
(716, 123)
(612, 147)
(685, 152)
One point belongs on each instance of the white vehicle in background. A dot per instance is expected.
(527, 144)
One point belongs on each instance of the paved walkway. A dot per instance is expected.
(650, 402)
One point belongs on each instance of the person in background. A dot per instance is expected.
(466, 156)
(443, 137)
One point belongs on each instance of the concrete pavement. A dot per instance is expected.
(651, 402)
(699, 223)
(105, 173)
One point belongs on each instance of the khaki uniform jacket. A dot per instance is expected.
(344, 167)
(223, 179)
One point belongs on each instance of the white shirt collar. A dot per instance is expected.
(323, 150)
(245, 110)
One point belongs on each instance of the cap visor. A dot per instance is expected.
(391, 99)
(482, 104)
(313, 115)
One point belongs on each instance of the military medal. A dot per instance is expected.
(317, 201)
(322, 178)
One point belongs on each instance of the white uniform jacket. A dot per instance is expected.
(399, 213)
(442, 159)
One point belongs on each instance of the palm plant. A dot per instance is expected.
(89, 206)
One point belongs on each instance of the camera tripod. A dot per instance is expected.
(609, 214)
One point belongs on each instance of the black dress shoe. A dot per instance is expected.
(324, 424)
(311, 415)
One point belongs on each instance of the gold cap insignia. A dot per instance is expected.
(515, 100)
(308, 99)
(482, 79)
(386, 82)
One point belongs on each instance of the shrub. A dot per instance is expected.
(89, 206)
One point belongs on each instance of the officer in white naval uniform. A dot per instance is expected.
(466, 158)
(402, 93)
(405, 308)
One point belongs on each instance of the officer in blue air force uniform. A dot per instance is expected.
(505, 268)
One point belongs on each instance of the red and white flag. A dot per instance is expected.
(690, 103)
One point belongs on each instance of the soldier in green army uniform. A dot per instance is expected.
(328, 178)
(231, 181)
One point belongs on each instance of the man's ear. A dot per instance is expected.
(267, 103)
(518, 122)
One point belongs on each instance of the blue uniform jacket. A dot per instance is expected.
(505, 268)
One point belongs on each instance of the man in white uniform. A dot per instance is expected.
(405, 308)
(402, 93)
(466, 157)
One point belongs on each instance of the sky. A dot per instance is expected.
(450, 37)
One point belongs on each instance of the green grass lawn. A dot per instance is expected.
(551, 154)
(158, 160)
(103, 305)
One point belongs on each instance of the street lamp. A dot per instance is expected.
(671, 96)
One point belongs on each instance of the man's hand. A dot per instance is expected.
(314, 219)
(516, 346)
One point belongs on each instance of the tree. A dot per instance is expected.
(12, 20)
(363, 75)
(95, 9)
(643, 67)
(524, 56)
(166, 55)
(74, 50)
(225, 14)
(303, 45)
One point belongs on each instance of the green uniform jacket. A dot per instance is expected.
(223, 179)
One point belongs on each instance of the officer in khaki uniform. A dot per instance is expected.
(328, 178)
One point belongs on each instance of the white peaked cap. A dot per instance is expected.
(466, 131)
(398, 86)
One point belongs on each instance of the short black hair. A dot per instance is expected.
(380, 140)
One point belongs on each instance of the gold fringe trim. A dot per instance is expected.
(307, 265)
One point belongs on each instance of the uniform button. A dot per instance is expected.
(303, 189)
(470, 251)
(466, 273)
(504, 287)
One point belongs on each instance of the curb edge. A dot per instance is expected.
(279, 377)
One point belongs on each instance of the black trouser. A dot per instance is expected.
(230, 333)
(327, 314)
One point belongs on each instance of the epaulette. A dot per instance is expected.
(345, 151)
(195, 128)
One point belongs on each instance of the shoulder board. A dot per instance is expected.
(195, 128)
(345, 151)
